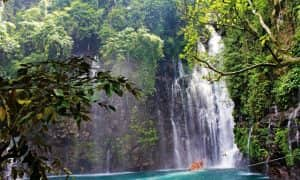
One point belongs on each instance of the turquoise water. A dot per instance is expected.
(213, 174)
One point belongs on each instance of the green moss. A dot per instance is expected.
(257, 148)
(258, 101)
(286, 88)
(281, 139)
(241, 139)
(296, 154)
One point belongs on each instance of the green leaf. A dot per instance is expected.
(59, 92)
(108, 89)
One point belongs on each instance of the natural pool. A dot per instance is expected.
(211, 174)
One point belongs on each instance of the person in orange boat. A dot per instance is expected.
(196, 165)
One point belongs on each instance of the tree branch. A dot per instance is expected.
(289, 60)
(211, 67)
(261, 21)
(252, 31)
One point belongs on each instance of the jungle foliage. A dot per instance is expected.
(27, 112)
(260, 62)
(44, 87)
(41, 86)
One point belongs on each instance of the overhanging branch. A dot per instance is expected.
(261, 21)
(221, 73)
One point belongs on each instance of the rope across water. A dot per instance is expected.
(270, 161)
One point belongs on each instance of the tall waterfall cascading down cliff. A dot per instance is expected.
(204, 131)
(193, 119)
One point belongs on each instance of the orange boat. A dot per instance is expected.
(197, 165)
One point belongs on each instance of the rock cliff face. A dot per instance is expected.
(272, 145)
(135, 137)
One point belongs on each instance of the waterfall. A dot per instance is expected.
(275, 110)
(226, 125)
(184, 107)
(249, 141)
(293, 126)
(215, 43)
(176, 145)
(194, 118)
(274, 117)
(201, 115)
(289, 134)
(225, 106)
(175, 128)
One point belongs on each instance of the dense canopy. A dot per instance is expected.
(61, 58)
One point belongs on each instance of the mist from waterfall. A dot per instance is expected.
(204, 130)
